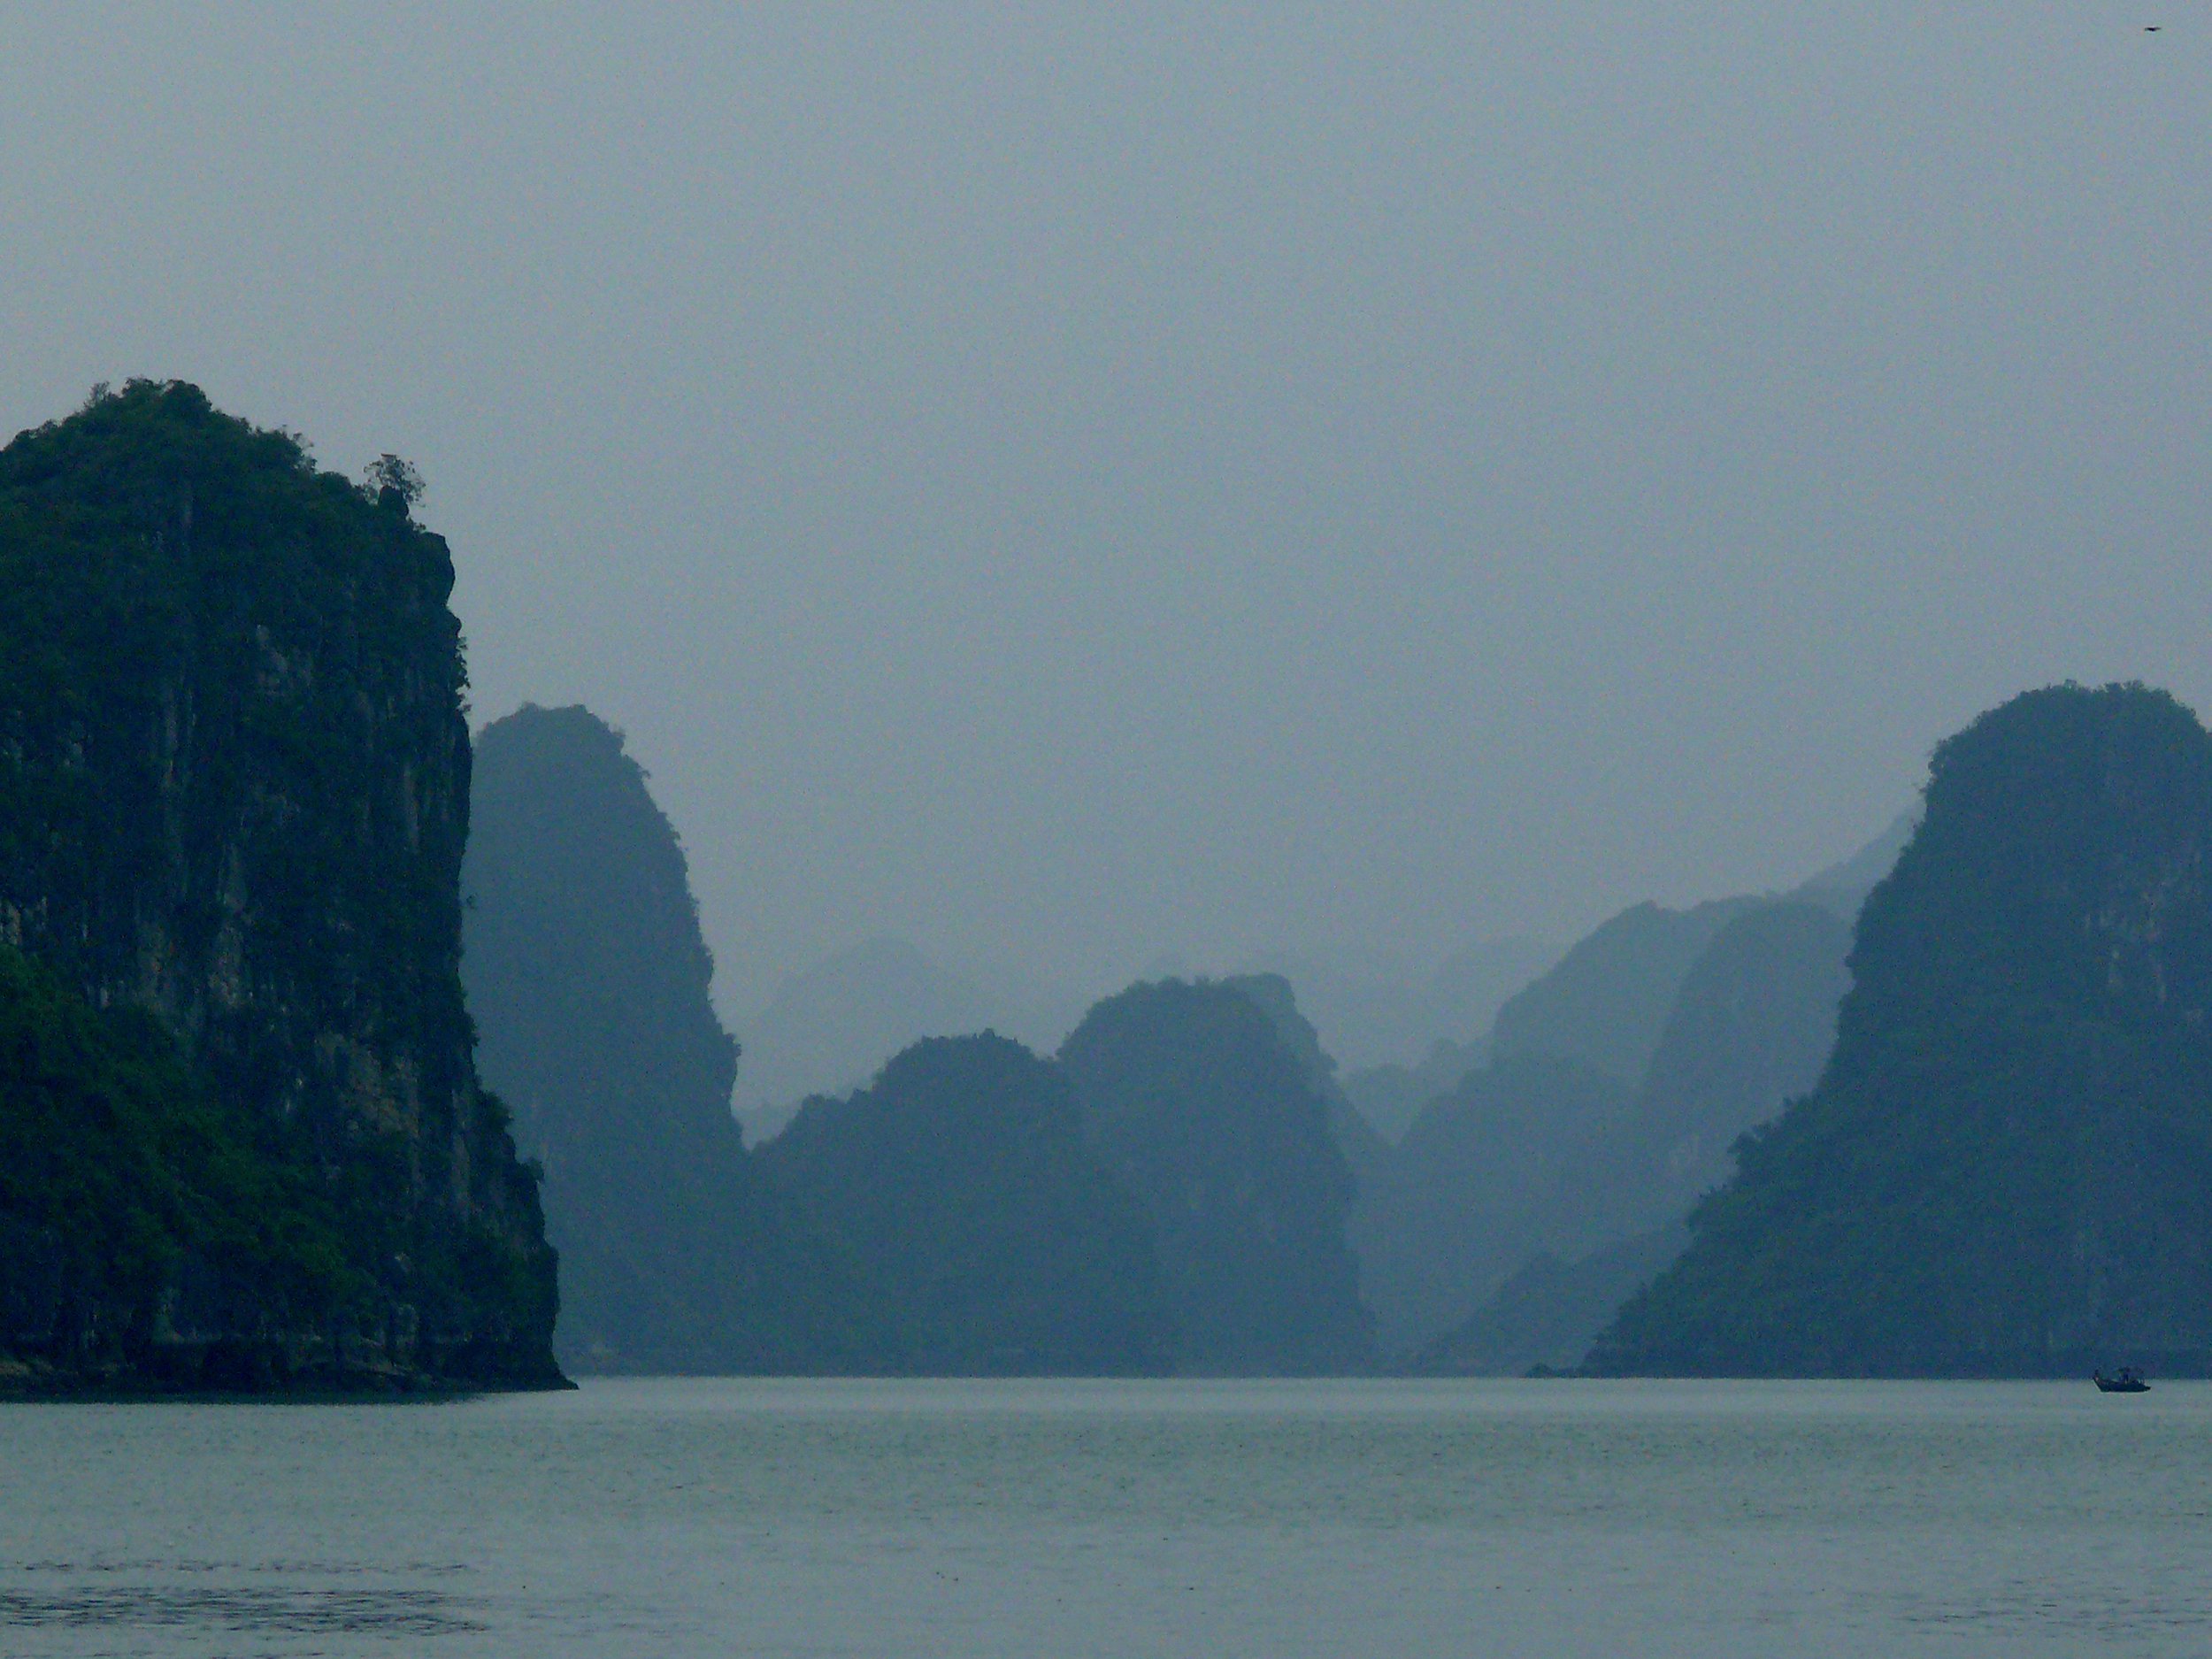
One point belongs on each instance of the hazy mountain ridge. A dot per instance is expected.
(1529, 1179)
(831, 1027)
(1605, 1002)
(1470, 1193)
(971, 1208)
(235, 786)
(1365, 1152)
(1379, 1012)
(1468, 1205)
(990, 1237)
(1547, 1313)
(1193, 1101)
(1389, 1097)
(1751, 1028)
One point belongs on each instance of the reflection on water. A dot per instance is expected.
(163, 1595)
(1119, 1519)
(2102, 1616)
(293, 1612)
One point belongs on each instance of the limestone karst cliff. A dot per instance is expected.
(2006, 1168)
(588, 979)
(990, 1238)
(1193, 1101)
(234, 793)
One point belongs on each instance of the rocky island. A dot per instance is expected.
(2001, 1170)
(243, 1144)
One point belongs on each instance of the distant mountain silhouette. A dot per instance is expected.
(830, 1029)
(1382, 1013)
(1470, 1194)
(993, 1239)
(1390, 1097)
(1751, 1028)
(1549, 1312)
(1607, 1000)
(2004, 1168)
(1842, 888)
(588, 979)
(1364, 1151)
(1195, 1101)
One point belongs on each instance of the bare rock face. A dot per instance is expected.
(233, 791)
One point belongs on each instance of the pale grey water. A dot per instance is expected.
(1122, 1519)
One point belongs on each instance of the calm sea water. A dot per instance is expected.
(1121, 1519)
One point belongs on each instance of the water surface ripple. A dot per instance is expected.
(1120, 1520)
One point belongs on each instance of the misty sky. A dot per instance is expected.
(1067, 484)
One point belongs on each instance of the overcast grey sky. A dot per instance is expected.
(1069, 483)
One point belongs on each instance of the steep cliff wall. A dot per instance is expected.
(233, 791)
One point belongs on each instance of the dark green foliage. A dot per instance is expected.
(185, 592)
(1191, 1096)
(997, 1244)
(1606, 1002)
(117, 1169)
(233, 792)
(588, 979)
(2007, 1168)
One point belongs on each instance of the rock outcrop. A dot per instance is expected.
(589, 977)
(989, 1239)
(2006, 1166)
(1194, 1101)
(234, 793)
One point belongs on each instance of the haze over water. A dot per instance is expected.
(1097, 1518)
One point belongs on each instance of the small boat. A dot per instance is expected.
(2126, 1380)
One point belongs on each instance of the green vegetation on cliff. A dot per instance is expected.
(233, 791)
(122, 1182)
(2005, 1167)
